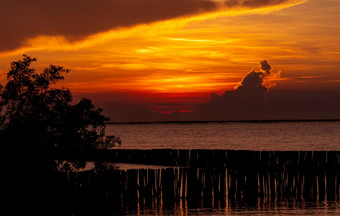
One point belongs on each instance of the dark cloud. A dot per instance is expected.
(75, 19)
(250, 92)
(303, 104)
(245, 101)
(251, 100)
(279, 105)
(265, 67)
(253, 3)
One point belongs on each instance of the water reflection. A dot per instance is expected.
(190, 183)
(179, 190)
(244, 183)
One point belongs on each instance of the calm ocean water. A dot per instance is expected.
(303, 192)
(279, 136)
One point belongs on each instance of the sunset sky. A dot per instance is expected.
(133, 57)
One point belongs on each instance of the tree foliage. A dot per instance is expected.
(34, 115)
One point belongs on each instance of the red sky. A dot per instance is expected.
(132, 57)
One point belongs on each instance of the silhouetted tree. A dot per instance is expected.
(36, 116)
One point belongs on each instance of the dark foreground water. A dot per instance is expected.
(292, 168)
(205, 182)
(277, 136)
(303, 181)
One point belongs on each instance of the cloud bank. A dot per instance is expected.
(76, 19)
(251, 99)
(249, 95)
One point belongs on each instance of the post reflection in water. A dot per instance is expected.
(265, 182)
(221, 190)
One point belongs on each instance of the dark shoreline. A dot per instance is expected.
(206, 158)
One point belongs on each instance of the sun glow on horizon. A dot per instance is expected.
(204, 53)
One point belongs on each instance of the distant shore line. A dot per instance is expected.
(229, 121)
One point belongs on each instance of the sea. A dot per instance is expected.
(277, 136)
(254, 136)
(275, 168)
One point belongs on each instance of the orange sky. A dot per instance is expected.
(183, 58)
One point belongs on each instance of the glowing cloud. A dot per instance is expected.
(69, 21)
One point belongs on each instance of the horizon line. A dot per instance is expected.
(227, 121)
